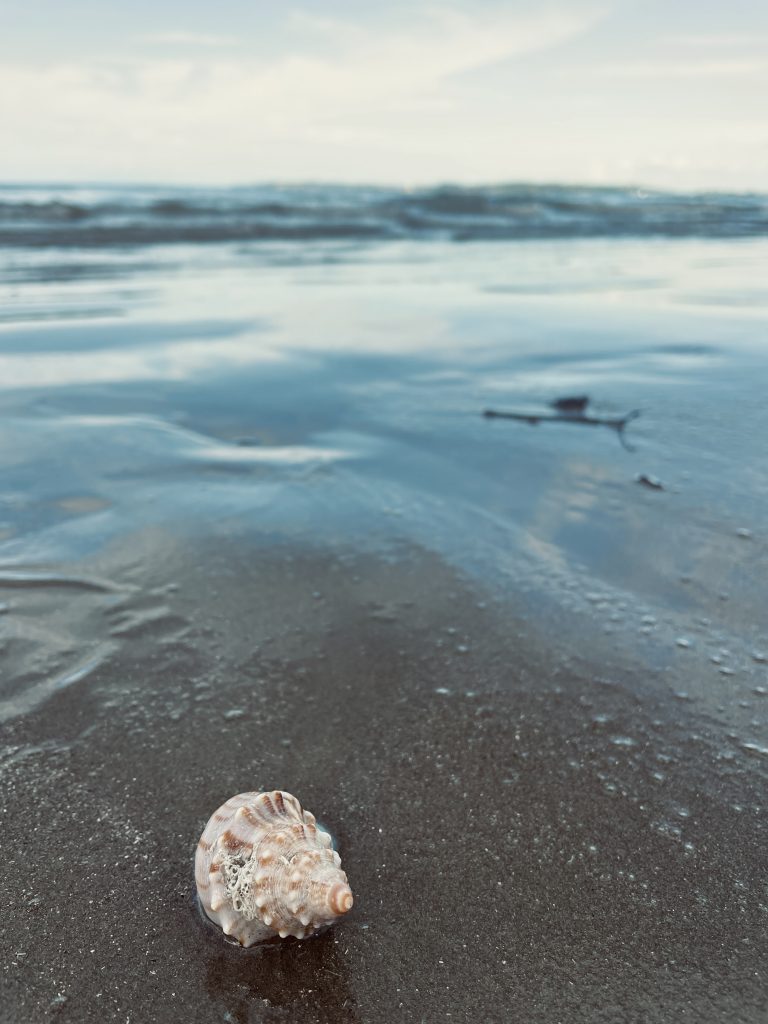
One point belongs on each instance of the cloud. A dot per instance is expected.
(338, 84)
(721, 40)
(411, 94)
(447, 41)
(742, 68)
(186, 39)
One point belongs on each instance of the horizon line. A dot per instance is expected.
(363, 184)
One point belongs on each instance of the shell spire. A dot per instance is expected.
(264, 867)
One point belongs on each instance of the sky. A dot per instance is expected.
(670, 94)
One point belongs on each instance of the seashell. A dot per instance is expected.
(263, 868)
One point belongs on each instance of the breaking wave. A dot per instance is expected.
(111, 216)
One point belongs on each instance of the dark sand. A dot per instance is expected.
(527, 838)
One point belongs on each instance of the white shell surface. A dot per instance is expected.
(263, 868)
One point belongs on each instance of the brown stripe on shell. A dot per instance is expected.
(232, 842)
(252, 818)
(297, 832)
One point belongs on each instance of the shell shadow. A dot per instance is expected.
(287, 979)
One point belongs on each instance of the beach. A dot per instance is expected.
(258, 533)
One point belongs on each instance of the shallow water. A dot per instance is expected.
(256, 532)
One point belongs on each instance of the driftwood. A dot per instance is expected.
(533, 419)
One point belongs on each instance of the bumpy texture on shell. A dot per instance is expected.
(264, 868)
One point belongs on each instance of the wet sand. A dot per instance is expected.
(528, 835)
(256, 533)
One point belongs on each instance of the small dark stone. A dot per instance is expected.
(649, 481)
(574, 405)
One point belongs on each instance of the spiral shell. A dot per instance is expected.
(263, 868)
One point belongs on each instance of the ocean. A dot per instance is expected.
(101, 216)
(259, 530)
